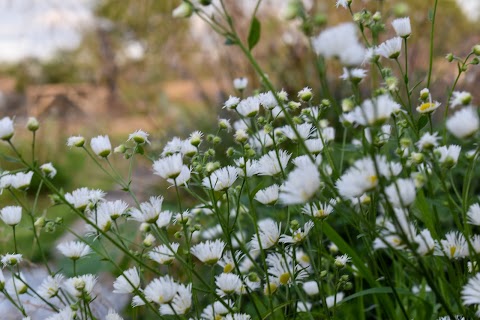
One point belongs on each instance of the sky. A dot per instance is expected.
(38, 27)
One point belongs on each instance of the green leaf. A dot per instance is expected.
(9, 159)
(254, 33)
(422, 122)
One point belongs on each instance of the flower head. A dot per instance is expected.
(464, 123)
(139, 137)
(402, 27)
(128, 282)
(208, 252)
(301, 184)
(6, 129)
(74, 249)
(161, 290)
(391, 48)
(221, 179)
(101, 146)
(76, 141)
(11, 215)
(50, 286)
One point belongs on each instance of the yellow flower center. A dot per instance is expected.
(373, 180)
(284, 278)
(453, 249)
(427, 105)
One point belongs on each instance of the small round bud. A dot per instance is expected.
(347, 105)
(40, 222)
(178, 235)
(476, 50)
(241, 136)
(475, 61)
(323, 274)
(305, 94)
(449, 57)
(294, 225)
(417, 157)
(184, 10)
(325, 103)
(377, 16)
(348, 286)
(120, 149)
(145, 227)
(230, 152)
(293, 105)
(216, 140)
(32, 124)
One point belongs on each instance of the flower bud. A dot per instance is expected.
(40, 222)
(476, 50)
(32, 124)
(184, 10)
(449, 57)
(120, 149)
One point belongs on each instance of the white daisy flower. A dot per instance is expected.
(21, 180)
(112, 315)
(448, 154)
(128, 282)
(332, 301)
(268, 196)
(172, 146)
(81, 285)
(74, 249)
(320, 210)
(473, 214)
(231, 103)
(249, 169)
(267, 100)
(401, 193)
(460, 98)
(11, 259)
(283, 270)
(16, 285)
(375, 111)
(101, 219)
(168, 167)
(270, 165)
(471, 293)
(149, 211)
(75, 141)
(101, 146)
(269, 232)
(221, 179)
(302, 183)
(315, 146)
(83, 197)
(208, 252)
(49, 170)
(6, 129)
(428, 106)
(311, 288)
(240, 83)
(164, 254)
(114, 209)
(11, 215)
(161, 290)
(425, 242)
(249, 107)
(298, 235)
(341, 261)
(216, 310)
(139, 137)
(227, 283)
(354, 74)
(464, 123)
(391, 48)
(64, 314)
(453, 247)
(428, 141)
(402, 27)
(50, 286)
(181, 303)
(343, 3)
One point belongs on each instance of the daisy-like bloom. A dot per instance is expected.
(473, 214)
(311, 288)
(249, 169)
(460, 98)
(298, 235)
(181, 303)
(11, 259)
(148, 212)
(164, 219)
(391, 48)
(21, 180)
(76, 141)
(164, 254)
(114, 209)
(269, 232)
(305, 161)
(237, 316)
(172, 146)
(11, 215)
(471, 293)
(343, 3)
(16, 285)
(332, 301)
(428, 141)
(304, 131)
(231, 103)
(227, 283)
(221, 179)
(341, 261)
(208, 252)
(261, 140)
(128, 282)
(315, 146)
(362, 176)
(249, 107)
(340, 42)
(48, 170)
(74, 249)
(241, 135)
(112, 315)
(401, 193)
(161, 290)
(188, 149)
(101, 219)
(6, 129)
(268, 196)
(464, 123)
(139, 137)
(195, 138)
(267, 100)
(305, 94)
(320, 210)
(81, 198)
(50, 286)
(270, 165)
(448, 154)
(81, 285)
(425, 242)
(240, 83)
(402, 27)
(428, 106)
(64, 314)
(216, 310)
(475, 241)
(454, 246)
(355, 74)
(375, 111)
(168, 167)
(101, 146)
(284, 271)
(371, 55)
(302, 183)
